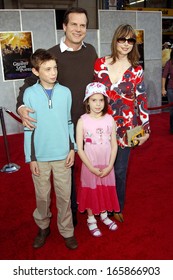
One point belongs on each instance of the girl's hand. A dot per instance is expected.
(106, 171)
(96, 171)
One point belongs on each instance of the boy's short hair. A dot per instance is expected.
(75, 10)
(40, 56)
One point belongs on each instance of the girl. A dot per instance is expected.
(123, 77)
(97, 148)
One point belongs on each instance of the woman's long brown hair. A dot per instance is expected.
(125, 30)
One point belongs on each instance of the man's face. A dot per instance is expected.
(75, 30)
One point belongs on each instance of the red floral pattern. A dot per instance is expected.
(127, 98)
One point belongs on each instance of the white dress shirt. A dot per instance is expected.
(64, 47)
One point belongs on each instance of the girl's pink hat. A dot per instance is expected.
(93, 88)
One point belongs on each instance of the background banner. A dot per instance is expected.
(16, 49)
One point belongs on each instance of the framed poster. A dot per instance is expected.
(16, 49)
(140, 43)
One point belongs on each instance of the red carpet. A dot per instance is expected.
(148, 228)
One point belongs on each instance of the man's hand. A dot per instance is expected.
(26, 119)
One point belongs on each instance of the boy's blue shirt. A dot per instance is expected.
(50, 140)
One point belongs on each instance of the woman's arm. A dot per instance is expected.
(141, 98)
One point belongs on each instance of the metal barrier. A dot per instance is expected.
(9, 167)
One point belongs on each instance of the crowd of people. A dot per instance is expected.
(75, 102)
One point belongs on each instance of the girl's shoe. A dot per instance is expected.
(94, 232)
(109, 223)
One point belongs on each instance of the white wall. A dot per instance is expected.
(42, 24)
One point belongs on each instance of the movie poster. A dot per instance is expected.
(16, 49)
(140, 42)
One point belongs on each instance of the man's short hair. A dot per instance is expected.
(75, 10)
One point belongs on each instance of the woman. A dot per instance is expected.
(167, 78)
(121, 73)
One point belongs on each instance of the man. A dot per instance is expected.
(75, 70)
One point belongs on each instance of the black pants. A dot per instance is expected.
(120, 167)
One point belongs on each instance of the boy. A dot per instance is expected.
(49, 148)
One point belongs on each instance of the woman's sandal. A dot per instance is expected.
(110, 225)
(93, 231)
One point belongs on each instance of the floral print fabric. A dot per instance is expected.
(127, 98)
